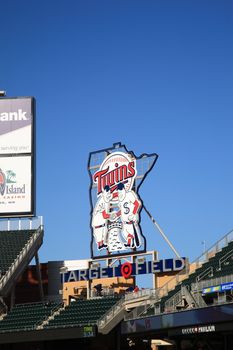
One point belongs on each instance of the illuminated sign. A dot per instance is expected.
(116, 175)
(88, 331)
(198, 329)
(125, 270)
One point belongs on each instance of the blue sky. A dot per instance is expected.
(155, 75)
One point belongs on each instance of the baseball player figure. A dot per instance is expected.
(100, 218)
(129, 204)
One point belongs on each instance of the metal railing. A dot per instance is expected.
(173, 301)
(20, 257)
(3, 307)
(15, 224)
(208, 272)
(198, 286)
(197, 263)
(157, 311)
(136, 312)
(224, 258)
(189, 297)
(111, 313)
(122, 303)
(140, 294)
(54, 312)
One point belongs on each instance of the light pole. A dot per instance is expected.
(204, 246)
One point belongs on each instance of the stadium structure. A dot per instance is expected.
(95, 303)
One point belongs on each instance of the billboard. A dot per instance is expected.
(17, 161)
(116, 175)
(16, 189)
(16, 125)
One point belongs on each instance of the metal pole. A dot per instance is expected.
(161, 232)
(12, 298)
(204, 246)
(39, 276)
(89, 284)
(154, 275)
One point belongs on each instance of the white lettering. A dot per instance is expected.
(22, 115)
(165, 269)
(93, 273)
(155, 266)
(13, 116)
(103, 272)
(72, 277)
(138, 266)
(4, 117)
(63, 277)
(178, 262)
(83, 275)
(114, 271)
(200, 329)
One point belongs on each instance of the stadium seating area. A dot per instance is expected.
(11, 244)
(218, 265)
(38, 316)
(25, 317)
(82, 312)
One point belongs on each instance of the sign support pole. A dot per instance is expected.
(161, 232)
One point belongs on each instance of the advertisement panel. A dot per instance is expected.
(16, 186)
(116, 175)
(16, 125)
(218, 289)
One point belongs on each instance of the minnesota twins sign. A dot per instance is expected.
(116, 176)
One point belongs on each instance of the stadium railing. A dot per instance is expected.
(37, 232)
(171, 285)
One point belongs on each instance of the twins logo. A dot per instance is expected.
(116, 175)
(115, 219)
(2, 182)
(117, 167)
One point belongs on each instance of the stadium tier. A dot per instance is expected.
(82, 312)
(213, 268)
(188, 292)
(17, 248)
(24, 317)
(11, 244)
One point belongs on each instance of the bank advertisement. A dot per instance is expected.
(16, 125)
(16, 190)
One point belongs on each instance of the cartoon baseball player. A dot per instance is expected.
(129, 205)
(100, 218)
